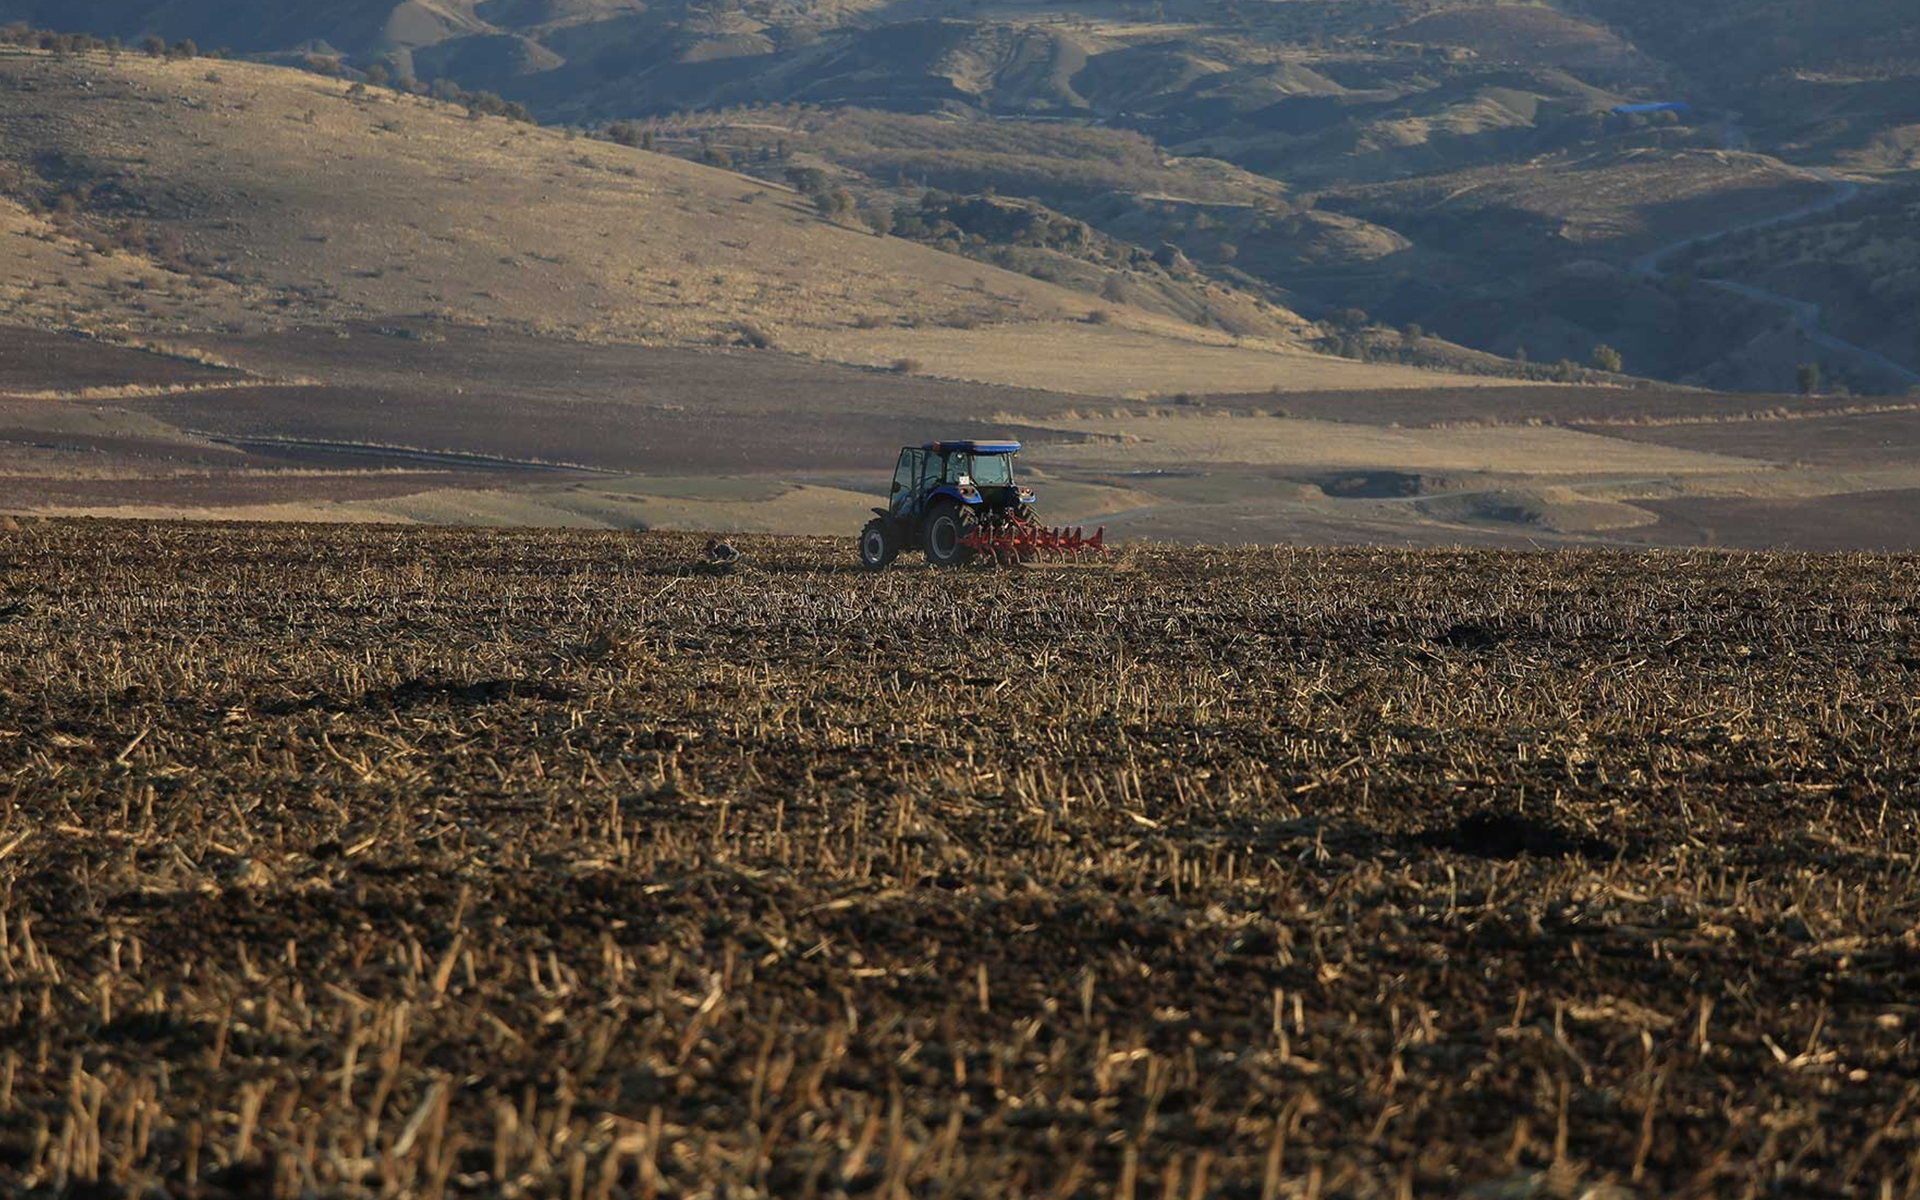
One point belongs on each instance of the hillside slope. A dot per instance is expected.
(1234, 134)
(164, 198)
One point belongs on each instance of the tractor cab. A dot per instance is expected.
(974, 474)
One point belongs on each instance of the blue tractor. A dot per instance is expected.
(951, 500)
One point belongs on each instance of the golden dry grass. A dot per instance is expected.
(1220, 437)
(1136, 356)
(322, 207)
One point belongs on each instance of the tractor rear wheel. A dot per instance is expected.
(877, 545)
(945, 527)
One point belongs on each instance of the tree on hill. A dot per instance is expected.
(1807, 376)
(1606, 358)
(833, 202)
(808, 181)
(153, 47)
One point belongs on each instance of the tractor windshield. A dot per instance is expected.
(992, 470)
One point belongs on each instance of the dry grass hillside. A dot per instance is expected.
(176, 198)
(346, 303)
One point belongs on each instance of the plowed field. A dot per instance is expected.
(381, 862)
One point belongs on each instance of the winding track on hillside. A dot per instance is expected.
(1805, 315)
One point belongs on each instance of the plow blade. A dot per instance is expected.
(1030, 543)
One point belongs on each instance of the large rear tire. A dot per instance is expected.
(945, 527)
(878, 546)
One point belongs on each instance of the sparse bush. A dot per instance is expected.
(1606, 358)
(905, 366)
(834, 202)
(808, 181)
(752, 336)
(1807, 378)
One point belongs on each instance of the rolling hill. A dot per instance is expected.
(161, 198)
(1255, 140)
(1229, 276)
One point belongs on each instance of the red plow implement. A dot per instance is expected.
(1014, 542)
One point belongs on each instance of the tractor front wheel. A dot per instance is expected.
(877, 545)
(945, 528)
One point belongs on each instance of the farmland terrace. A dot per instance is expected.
(356, 861)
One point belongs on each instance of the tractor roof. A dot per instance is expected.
(975, 447)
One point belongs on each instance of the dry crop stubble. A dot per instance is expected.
(369, 861)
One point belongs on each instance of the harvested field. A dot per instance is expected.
(1878, 520)
(34, 360)
(370, 861)
(1073, 357)
(1601, 408)
(1869, 439)
(1107, 442)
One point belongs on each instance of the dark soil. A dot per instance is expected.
(395, 862)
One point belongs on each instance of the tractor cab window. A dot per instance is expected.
(993, 470)
(906, 476)
(957, 464)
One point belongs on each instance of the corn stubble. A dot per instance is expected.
(375, 862)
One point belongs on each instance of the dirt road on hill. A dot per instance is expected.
(1803, 315)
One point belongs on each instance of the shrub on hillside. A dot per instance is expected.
(808, 181)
